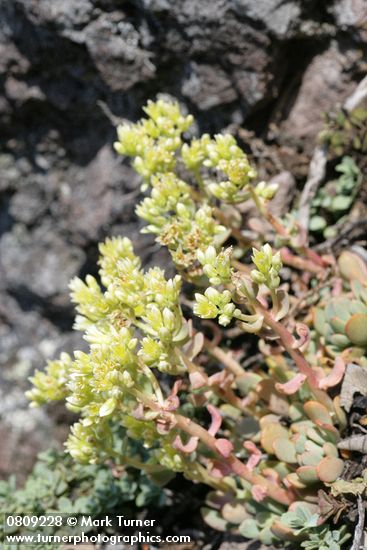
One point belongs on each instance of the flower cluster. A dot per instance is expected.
(182, 219)
(213, 304)
(153, 141)
(223, 155)
(268, 266)
(179, 224)
(217, 267)
(132, 326)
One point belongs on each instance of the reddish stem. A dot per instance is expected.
(299, 263)
(313, 256)
(225, 358)
(272, 490)
(288, 341)
(193, 429)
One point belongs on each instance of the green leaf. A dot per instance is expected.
(341, 203)
(249, 529)
(317, 223)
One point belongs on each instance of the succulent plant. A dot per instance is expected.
(341, 323)
(346, 132)
(325, 538)
(58, 484)
(335, 198)
(264, 438)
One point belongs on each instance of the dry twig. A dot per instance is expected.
(358, 533)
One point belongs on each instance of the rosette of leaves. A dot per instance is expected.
(291, 438)
(341, 321)
(309, 447)
(305, 524)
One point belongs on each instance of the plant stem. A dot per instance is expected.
(282, 231)
(152, 379)
(236, 232)
(288, 341)
(278, 227)
(225, 358)
(301, 363)
(208, 479)
(275, 301)
(298, 262)
(273, 491)
(226, 394)
(125, 460)
(241, 267)
(200, 182)
(193, 429)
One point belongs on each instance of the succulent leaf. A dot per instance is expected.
(285, 450)
(308, 474)
(330, 468)
(214, 519)
(317, 411)
(249, 529)
(271, 432)
(356, 329)
(352, 267)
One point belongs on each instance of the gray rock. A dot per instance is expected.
(39, 262)
(114, 46)
(276, 15)
(29, 203)
(350, 13)
(208, 86)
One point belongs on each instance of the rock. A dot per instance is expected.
(29, 203)
(208, 86)
(39, 264)
(114, 45)
(350, 13)
(325, 83)
(278, 17)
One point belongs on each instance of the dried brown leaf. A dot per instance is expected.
(355, 381)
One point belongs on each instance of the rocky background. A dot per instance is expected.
(69, 71)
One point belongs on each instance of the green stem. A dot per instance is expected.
(275, 301)
(200, 182)
(152, 379)
(128, 461)
(205, 477)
